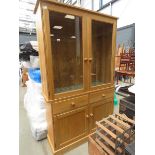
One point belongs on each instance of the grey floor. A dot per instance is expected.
(29, 146)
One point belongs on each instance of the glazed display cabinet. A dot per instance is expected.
(76, 51)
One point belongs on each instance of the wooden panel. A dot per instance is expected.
(99, 110)
(49, 119)
(101, 95)
(47, 52)
(42, 55)
(69, 104)
(113, 51)
(70, 126)
(69, 147)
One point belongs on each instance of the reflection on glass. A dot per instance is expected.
(66, 40)
(101, 53)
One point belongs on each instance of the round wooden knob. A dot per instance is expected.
(103, 95)
(91, 115)
(73, 104)
(87, 116)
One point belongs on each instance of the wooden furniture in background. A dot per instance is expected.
(125, 65)
(117, 62)
(76, 51)
(112, 135)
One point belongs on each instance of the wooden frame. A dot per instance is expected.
(85, 53)
(86, 35)
(101, 19)
(78, 106)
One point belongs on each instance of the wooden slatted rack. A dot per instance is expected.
(113, 134)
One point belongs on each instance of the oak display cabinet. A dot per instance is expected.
(76, 51)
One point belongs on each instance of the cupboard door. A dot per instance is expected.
(101, 53)
(70, 126)
(100, 110)
(67, 51)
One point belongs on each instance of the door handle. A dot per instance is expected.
(87, 116)
(91, 115)
(73, 104)
(103, 95)
(90, 59)
(85, 59)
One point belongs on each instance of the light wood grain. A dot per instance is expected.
(126, 118)
(122, 123)
(107, 130)
(116, 128)
(68, 126)
(71, 115)
(101, 95)
(99, 110)
(69, 104)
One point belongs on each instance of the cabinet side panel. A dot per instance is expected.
(113, 49)
(42, 59)
(49, 119)
(42, 56)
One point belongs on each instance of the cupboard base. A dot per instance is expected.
(68, 147)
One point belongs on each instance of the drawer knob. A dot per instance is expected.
(91, 115)
(73, 104)
(103, 95)
(87, 116)
(85, 59)
(90, 59)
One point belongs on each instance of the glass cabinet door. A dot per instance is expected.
(67, 54)
(101, 52)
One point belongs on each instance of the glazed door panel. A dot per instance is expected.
(70, 126)
(66, 35)
(100, 53)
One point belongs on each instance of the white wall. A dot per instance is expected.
(87, 4)
(123, 9)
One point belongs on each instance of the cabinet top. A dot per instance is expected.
(71, 6)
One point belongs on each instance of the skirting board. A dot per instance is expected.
(68, 147)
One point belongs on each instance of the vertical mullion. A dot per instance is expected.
(89, 48)
(85, 55)
(113, 52)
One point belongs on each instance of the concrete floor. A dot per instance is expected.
(29, 146)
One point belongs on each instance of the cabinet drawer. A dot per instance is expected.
(69, 104)
(101, 95)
